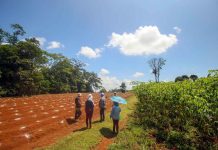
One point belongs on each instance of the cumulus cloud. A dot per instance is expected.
(41, 40)
(4, 43)
(177, 29)
(112, 82)
(145, 40)
(104, 72)
(54, 44)
(138, 74)
(89, 52)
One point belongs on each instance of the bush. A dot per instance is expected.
(183, 113)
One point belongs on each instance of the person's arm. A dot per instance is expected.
(112, 112)
(85, 106)
(99, 104)
(93, 104)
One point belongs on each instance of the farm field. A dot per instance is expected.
(37, 121)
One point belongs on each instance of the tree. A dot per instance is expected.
(212, 73)
(156, 65)
(193, 77)
(179, 78)
(2, 36)
(185, 77)
(17, 31)
(123, 87)
(26, 69)
(92, 81)
(103, 90)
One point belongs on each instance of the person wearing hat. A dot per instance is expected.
(102, 107)
(78, 105)
(89, 108)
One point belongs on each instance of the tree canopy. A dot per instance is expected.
(26, 69)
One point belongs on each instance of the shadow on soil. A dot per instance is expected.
(81, 129)
(97, 121)
(71, 121)
(108, 133)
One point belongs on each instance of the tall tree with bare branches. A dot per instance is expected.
(156, 65)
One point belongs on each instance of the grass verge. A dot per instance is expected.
(89, 138)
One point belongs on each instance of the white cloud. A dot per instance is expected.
(138, 74)
(145, 40)
(177, 29)
(112, 82)
(104, 72)
(41, 40)
(54, 44)
(4, 43)
(89, 52)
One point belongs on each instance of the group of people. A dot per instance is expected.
(89, 109)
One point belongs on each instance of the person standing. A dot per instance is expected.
(78, 105)
(115, 115)
(89, 108)
(102, 107)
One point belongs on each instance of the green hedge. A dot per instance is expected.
(184, 114)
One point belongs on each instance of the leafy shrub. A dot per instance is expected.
(184, 113)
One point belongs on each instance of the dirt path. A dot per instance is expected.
(106, 141)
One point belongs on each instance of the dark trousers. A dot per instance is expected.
(78, 113)
(89, 119)
(115, 126)
(102, 116)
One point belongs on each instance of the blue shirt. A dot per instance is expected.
(115, 113)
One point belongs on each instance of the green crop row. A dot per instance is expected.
(183, 114)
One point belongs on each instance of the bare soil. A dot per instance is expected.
(38, 121)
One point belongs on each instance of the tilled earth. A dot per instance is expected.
(37, 121)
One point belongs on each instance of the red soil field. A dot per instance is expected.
(37, 121)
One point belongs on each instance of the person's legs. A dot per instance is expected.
(113, 126)
(90, 120)
(103, 116)
(117, 125)
(87, 117)
(76, 114)
(100, 115)
(79, 113)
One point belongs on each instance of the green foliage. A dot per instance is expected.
(133, 137)
(183, 113)
(123, 87)
(193, 77)
(26, 69)
(103, 90)
(212, 73)
(186, 77)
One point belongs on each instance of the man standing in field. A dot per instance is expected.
(102, 107)
(89, 108)
(78, 106)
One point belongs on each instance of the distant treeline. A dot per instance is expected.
(26, 69)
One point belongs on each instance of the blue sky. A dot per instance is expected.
(83, 29)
